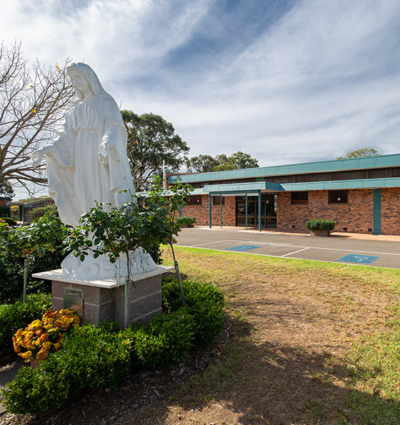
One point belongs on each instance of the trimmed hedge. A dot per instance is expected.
(165, 341)
(320, 224)
(18, 315)
(10, 221)
(186, 221)
(204, 303)
(91, 358)
(97, 358)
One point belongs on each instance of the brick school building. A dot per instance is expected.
(362, 195)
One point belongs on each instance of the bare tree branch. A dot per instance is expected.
(33, 101)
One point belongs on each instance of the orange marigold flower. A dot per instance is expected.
(26, 355)
(47, 345)
(42, 354)
(43, 338)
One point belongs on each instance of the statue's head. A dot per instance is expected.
(82, 78)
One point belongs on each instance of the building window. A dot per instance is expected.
(216, 200)
(299, 198)
(193, 200)
(338, 196)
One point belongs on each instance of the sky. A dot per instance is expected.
(286, 81)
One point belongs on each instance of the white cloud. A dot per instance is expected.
(321, 80)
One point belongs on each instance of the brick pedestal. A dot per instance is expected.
(105, 299)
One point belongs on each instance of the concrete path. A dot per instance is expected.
(7, 374)
(375, 251)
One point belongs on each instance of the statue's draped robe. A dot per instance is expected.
(77, 176)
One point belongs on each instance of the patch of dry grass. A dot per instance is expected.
(302, 343)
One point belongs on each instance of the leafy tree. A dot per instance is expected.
(47, 232)
(145, 222)
(32, 101)
(41, 211)
(206, 163)
(201, 164)
(360, 153)
(236, 161)
(6, 189)
(152, 140)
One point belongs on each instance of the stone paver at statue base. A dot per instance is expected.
(104, 299)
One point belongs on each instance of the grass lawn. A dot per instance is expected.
(310, 343)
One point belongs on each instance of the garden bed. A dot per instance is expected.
(133, 396)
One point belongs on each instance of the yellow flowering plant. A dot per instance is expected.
(45, 336)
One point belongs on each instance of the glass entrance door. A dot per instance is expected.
(268, 211)
(269, 203)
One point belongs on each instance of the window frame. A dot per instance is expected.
(190, 200)
(339, 203)
(298, 201)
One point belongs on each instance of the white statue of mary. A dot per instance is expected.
(87, 162)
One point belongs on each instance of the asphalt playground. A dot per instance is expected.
(366, 250)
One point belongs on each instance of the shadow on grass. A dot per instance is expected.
(272, 384)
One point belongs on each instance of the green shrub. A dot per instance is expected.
(204, 302)
(3, 226)
(10, 221)
(19, 315)
(12, 271)
(92, 358)
(186, 221)
(165, 341)
(5, 212)
(156, 254)
(320, 224)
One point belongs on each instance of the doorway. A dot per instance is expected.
(268, 210)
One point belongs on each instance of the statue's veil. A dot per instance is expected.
(90, 76)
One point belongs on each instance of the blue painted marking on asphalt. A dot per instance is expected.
(356, 258)
(243, 248)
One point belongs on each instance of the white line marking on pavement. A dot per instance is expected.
(298, 246)
(295, 252)
(353, 250)
(292, 258)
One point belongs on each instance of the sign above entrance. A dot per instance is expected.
(244, 187)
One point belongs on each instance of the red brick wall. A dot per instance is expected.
(390, 211)
(356, 215)
(201, 213)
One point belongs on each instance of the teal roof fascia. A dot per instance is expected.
(380, 161)
(342, 184)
